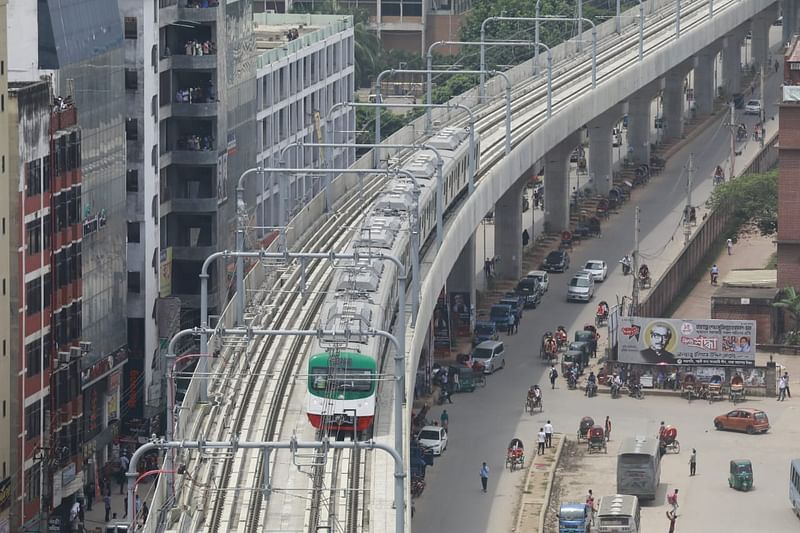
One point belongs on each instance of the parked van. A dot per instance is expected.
(491, 354)
(639, 467)
(619, 513)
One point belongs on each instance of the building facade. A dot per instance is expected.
(789, 172)
(78, 46)
(8, 363)
(206, 64)
(300, 78)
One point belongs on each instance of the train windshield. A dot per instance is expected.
(341, 379)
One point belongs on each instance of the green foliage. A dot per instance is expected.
(753, 198)
(390, 123)
(791, 304)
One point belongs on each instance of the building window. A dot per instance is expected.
(130, 28)
(33, 177)
(131, 79)
(33, 236)
(132, 181)
(33, 420)
(33, 486)
(133, 232)
(134, 282)
(33, 295)
(33, 358)
(131, 129)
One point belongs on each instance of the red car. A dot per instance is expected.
(749, 420)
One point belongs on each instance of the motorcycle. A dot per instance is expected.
(615, 390)
(626, 266)
(635, 391)
(714, 278)
(443, 396)
(591, 389)
(572, 381)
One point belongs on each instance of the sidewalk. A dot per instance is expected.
(95, 518)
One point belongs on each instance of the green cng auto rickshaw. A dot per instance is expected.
(741, 476)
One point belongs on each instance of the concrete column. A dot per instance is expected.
(732, 64)
(760, 40)
(508, 232)
(601, 156)
(556, 184)
(789, 10)
(673, 105)
(639, 126)
(462, 280)
(704, 90)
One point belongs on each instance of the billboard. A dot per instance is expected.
(165, 272)
(652, 341)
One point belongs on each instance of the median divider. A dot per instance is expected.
(536, 492)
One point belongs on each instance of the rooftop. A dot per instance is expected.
(754, 278)
(278, 34)
(792, 54)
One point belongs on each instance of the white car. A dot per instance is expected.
(580, 289)
(752, 107)
(599, 269)
(434, 438)
(542, 277)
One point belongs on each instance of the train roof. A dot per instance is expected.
(350, 359)
(351, 320)
(422, 165)
(448, 138)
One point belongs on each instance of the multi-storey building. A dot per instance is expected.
(78, 46)
(140, 21)
(305, 66)
(8, 363)
(44, 166)
(789, 171)
(206, 64)
(410, 25)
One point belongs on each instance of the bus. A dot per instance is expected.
(619, 513)
(341, 392)
(639, 467)
(794, 486)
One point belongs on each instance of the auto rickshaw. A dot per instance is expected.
(587, 423)
(741, 474)
(737, 392)
(573, 358)
(597, 439)
(465, 381)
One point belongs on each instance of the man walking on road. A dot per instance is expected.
(786, 378)
(693, 462)
(124, 462)
(541, 437)
(729, 244)
(608, 428)
(484, 476)
(445, 418)
(553, 376)
(781, 389)
(107, 503)
(671, 516)
(548, 434)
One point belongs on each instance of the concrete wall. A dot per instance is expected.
(762, 312)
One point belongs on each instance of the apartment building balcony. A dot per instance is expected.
(185, 156)
(189, 205)
(198, 10)
(191, 253)
(404, 23)
(188, 62)
(189, 110)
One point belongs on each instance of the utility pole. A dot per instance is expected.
(687, 229)
(635, 268)
(763, 113)
(733, 126)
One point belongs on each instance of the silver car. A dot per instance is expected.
(580, 289)
(542, 277)
(598, 268)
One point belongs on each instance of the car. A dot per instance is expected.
(491, 354)
(598, 268)
(502, 315)
(530, 290)
(485, 330)
(556, 261)
(580, 289)
(542, 277)
(745, 419)
(516, 302)
(752, 107)
(583, 273)
(433, 438)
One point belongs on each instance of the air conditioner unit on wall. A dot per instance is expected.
(75, 352)
(86, 346)
(63, 357)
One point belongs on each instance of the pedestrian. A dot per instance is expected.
(777, 65)
(672, 499)
(553, 376)
(671, 516)
(88, 492)
(608, 428)
(125, 506)
(124, 462)
(106, 486)
(145, 512)
(484, 476)
(526, 237)
(548, 434)
(693, 462)
(729, 244)
(107, 503)
(510, 327)
(516, 323)
(786, 379)
(445, 418)
(138, 504)
(781, 389)
(540, 438)
(590, 500)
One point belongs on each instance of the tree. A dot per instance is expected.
(791, 304)
(753, 198)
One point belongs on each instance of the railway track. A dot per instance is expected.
(258, 388)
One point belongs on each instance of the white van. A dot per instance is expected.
(619, 513)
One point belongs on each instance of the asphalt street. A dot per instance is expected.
(482, 423)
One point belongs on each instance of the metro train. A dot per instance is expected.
(344, 370)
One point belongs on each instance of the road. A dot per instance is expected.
(481, 424)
